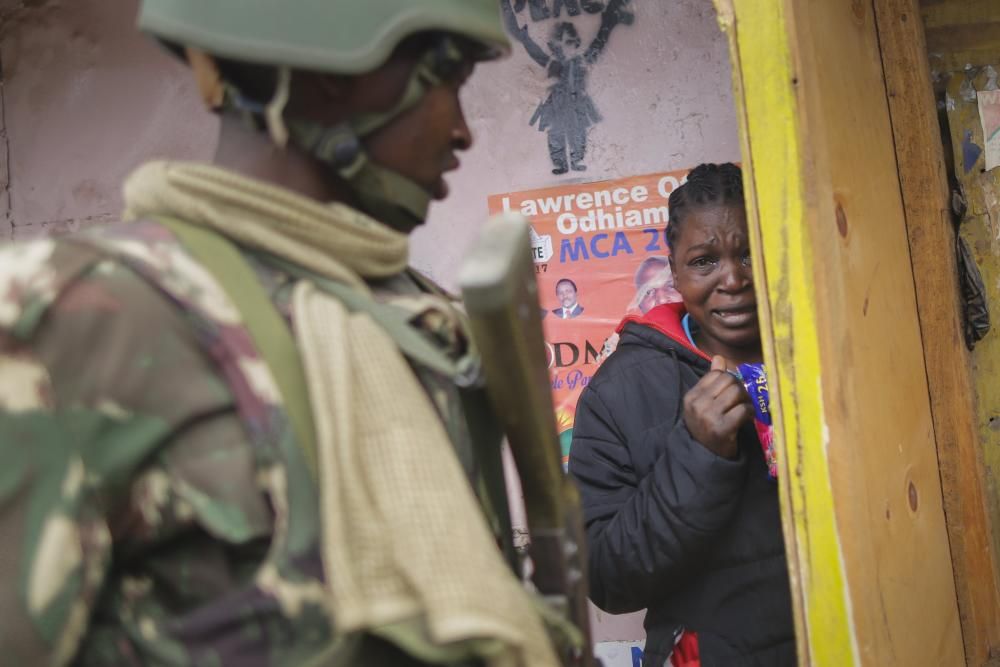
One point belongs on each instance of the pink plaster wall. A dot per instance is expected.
(85, 99)
(662, 86)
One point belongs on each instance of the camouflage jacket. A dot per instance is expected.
(154, 505)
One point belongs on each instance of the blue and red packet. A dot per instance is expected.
(754, 378)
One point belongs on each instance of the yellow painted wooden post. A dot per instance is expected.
(861, 498)
(762, 63)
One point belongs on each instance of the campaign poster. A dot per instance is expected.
(600, 253)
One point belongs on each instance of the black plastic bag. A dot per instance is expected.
(975, 311)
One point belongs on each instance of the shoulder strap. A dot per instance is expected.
(267, 327)
(395, 321)
(485, 431)
(276, 345)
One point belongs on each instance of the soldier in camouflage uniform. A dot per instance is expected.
(156, 504)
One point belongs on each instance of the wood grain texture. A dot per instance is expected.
(961, 33)
(862, 490)
(981, 230)
(945, 13)
(882, 454)
(924, 186)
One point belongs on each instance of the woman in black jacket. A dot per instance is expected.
(682, 518)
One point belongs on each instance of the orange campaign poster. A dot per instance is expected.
(600, 253)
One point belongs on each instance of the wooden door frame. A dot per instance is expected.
(765, 86)
(761, 58)
(926, 199)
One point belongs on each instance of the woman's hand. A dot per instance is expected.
(715, 408)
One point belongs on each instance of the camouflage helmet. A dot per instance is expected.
(337, 36)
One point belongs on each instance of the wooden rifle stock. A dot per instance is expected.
(501, 298)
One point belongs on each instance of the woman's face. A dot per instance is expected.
(711, 266)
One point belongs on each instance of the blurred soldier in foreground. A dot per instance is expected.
(230, 429)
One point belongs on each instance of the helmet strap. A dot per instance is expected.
(383, 193)
(274, 113)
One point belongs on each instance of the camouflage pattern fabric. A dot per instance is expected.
(154, 505)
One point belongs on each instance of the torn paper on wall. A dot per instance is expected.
(989, 115)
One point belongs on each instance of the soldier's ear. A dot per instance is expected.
(207, 76)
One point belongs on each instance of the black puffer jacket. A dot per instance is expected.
(671, 527)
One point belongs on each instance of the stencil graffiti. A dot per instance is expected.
(568, 112)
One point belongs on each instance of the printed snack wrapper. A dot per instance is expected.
(754, 379)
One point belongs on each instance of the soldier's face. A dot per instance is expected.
(423, 143)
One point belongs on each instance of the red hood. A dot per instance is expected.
(666, 319)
